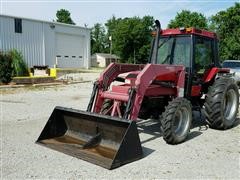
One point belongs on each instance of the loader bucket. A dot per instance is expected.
(103, 140)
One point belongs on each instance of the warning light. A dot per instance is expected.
(189, 29)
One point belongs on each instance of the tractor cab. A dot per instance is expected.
(195, 49)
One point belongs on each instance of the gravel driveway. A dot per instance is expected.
(24, 111)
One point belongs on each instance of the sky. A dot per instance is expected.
(99, 11)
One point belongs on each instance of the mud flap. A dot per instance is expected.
(103, 140)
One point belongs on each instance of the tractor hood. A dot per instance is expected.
(168, 73)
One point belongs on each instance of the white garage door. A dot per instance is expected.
(69, 50)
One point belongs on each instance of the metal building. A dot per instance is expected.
(46, 43)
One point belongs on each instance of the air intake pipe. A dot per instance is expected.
(156, 42)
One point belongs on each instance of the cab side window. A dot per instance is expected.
(203, 54)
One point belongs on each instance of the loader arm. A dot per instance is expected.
(113, 70)
(152, 72)
(106, 78)
(142, 84)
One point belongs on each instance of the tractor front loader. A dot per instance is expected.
(183, 74)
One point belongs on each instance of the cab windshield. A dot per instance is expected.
(174, 50)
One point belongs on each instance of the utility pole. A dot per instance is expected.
(110, 39)
(134, 58)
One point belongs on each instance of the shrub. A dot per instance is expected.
(19, 66)
(6, 69)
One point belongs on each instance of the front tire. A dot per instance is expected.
(107, 104)
(176, 121)
(222, 102)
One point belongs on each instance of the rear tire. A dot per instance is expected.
(222, 102)
(176, 121)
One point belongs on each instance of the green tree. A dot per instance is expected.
(19, 66)
(131, 37)
(111, 25)
(189, 19)
(227, 25)
(98, 39)
(6, 68)
(64, 16)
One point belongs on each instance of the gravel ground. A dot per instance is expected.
(24, 111)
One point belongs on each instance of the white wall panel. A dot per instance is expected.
(41, 41)
(29, 42)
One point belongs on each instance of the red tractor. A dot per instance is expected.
(183, 74)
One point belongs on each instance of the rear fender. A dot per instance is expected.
(211, 73)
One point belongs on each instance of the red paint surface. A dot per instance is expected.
(141, 77)
(211, 73)
(196, 90)
(177, 31)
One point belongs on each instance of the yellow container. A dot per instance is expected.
(53, 72)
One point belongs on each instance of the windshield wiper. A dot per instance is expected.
(166, 40)
(165, 60)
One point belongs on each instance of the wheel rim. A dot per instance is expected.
(181, 121)
(230, 105)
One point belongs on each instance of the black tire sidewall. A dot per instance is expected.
(189, 108)
(214, 103)
(227, 123)
(168, 120)
(106, 105)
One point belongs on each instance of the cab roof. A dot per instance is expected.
(183, 31)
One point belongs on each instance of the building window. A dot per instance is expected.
(18, 25)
